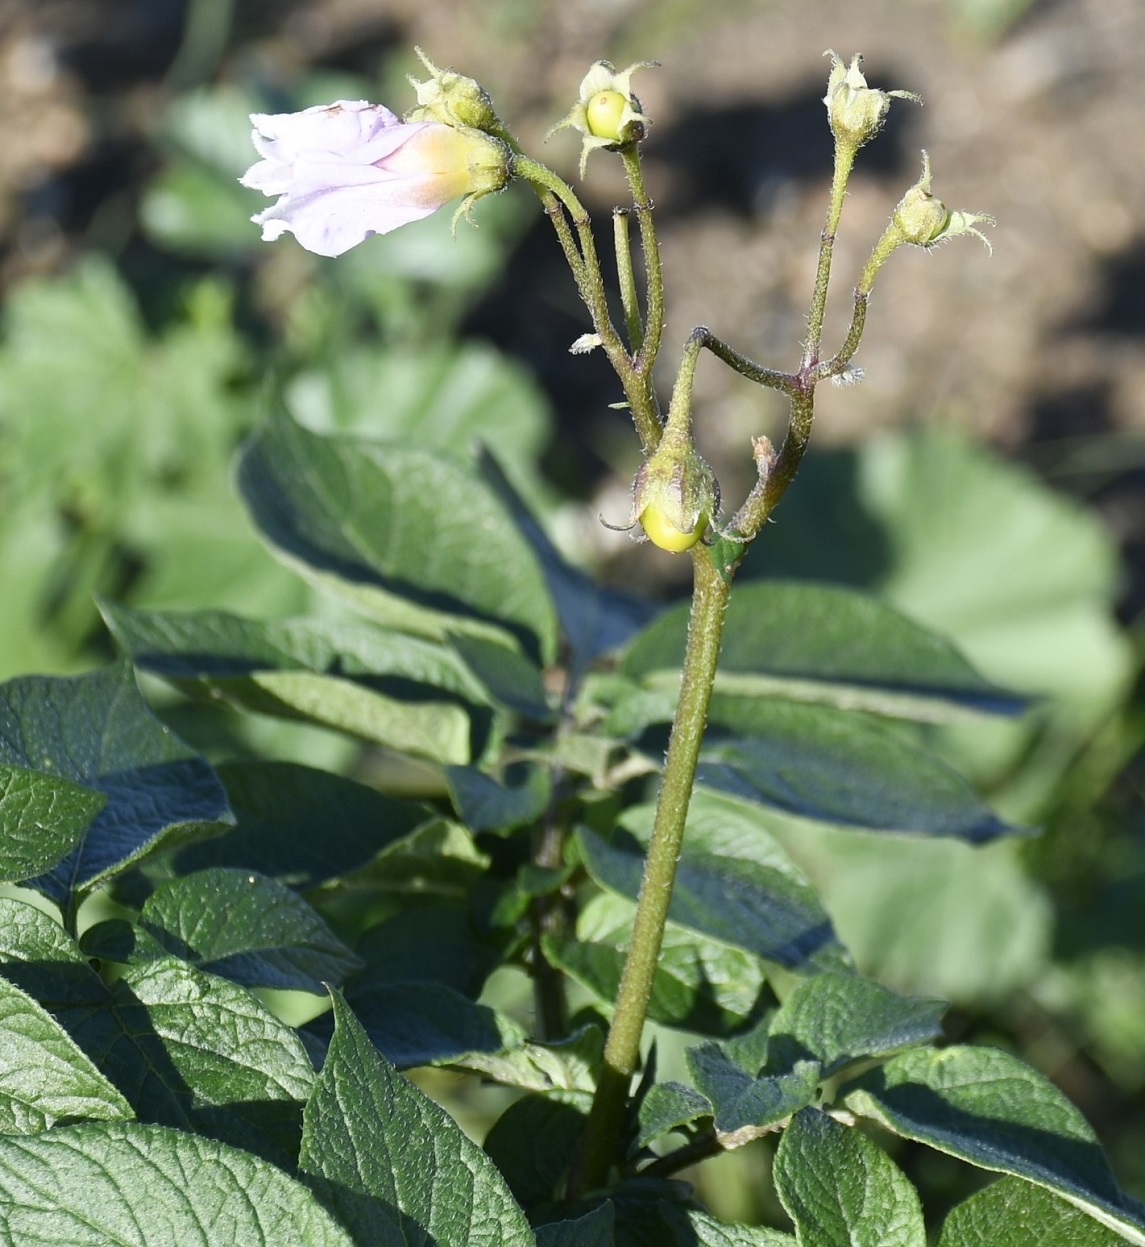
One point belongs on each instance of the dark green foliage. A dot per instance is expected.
(186, 1028)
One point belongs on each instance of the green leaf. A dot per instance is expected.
(201, 1054)
(934, 915)
(837, 767)
(771, 913)
(841, 1018)
(351, 676)
(1044, 568)
(438, 862)
(838, 1187)
(483, 804)
(42, 818)
(507, 676)
(700, 985)
(197, 645)
(429, 944)
(96, 731)
(38, 955)
(195, 206)
(1022, 578)
(1020, 1214)
(987, 1108)
(743, 1105)
(696, 1228)
(185, 1048)
(534, 1141)
(594, 619)
(146, 1186)
(277, 805)
(825, 643)
(127, 498)
(667, 1106)
(246, 928)
(415, 1024)
(391, 1163)
(407, 535)
(594, 1229)
(169, 408)
(651, 1213)
(438, 731)
(444, 394)
(193, 211)
(571, 1064)
(212, 125)
(44, 1077)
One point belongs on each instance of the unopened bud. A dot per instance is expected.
(923, 219)
(856, 111)
(452, 99)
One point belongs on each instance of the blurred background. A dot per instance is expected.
(988, 476)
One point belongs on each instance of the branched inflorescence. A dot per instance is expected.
(344, 172)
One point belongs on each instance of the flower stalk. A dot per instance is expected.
(622, 1050)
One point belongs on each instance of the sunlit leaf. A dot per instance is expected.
(410, 537)
(987, 1108)
(839, 1187)
(391, 1163)
(148, 1186)
(42, 817)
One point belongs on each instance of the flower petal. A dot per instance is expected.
(348, 170)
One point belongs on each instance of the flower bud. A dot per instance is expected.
(923, 219)
(452, 99)
(675, 495)
(856, 111)
(606, 113)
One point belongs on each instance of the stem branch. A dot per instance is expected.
(627, 280)
(844, 161)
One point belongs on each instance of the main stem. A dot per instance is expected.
(622, 1051)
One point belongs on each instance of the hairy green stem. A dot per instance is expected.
(627, 280)
(634, 372)
(770, 487)
(838, 362)
(702, 1147)
(844, 161)
(653, 270)
(772, 378)
(586, 265)
(622, 1051)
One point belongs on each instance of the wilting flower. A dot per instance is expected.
(348, 170)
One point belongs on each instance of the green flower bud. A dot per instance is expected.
(452, 99)
(921, 218)
(856, 111)
(606, 113)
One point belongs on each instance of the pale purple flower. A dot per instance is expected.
(348, 170)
